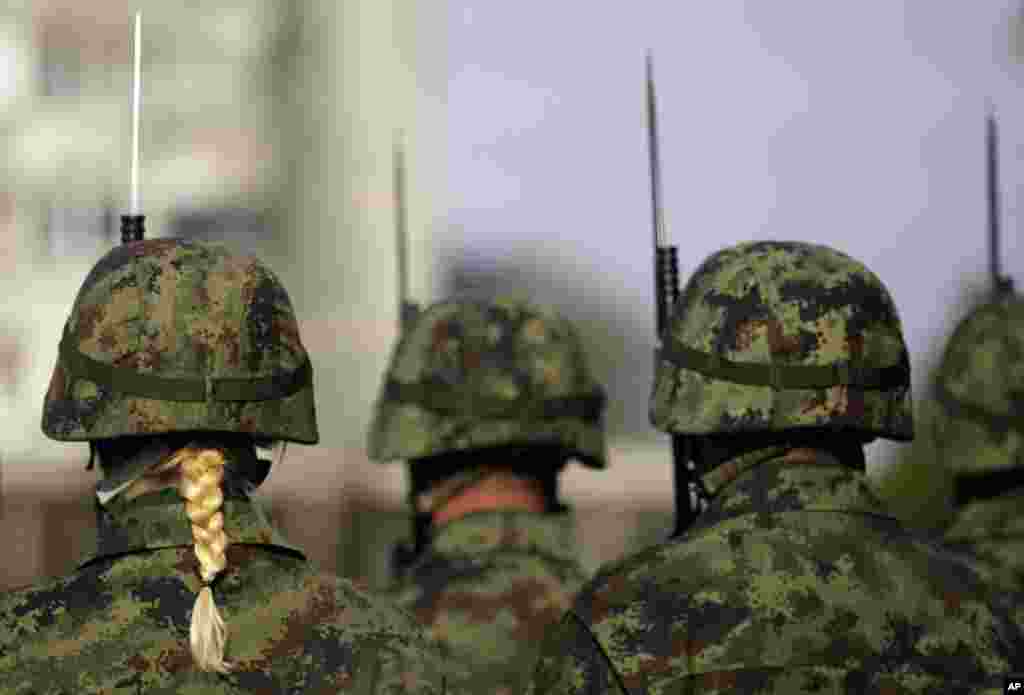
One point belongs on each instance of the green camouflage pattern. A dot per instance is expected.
(989, 535)
(767, 594)
(914, 487)
(992, 531)
(504, 352)
(120, 623)
(158, 520)
(982, 372)
(786, 303)
(983, 368)
(489, 587)
(174, 308)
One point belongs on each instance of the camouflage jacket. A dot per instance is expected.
(793, 581)
(488, 588)
(120, 623)
(993, 532)
(989, 534)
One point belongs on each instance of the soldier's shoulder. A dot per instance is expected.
(723, 563)
(28, 610)
(349, 604)
(406, 659)
(327, 624)
(616, 586)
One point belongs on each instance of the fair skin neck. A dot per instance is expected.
(497, 491)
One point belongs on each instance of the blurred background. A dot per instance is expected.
(270, 125)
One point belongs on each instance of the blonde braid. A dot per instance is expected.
(201, 473)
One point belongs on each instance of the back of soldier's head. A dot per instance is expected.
(979, 394)
(773, 341)
(173, 336)
(179, 363)
(473, 376)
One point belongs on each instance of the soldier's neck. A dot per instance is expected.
(158, 520)
(492, 491)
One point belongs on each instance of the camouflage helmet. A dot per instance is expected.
(168, 335)
(469, 374)
(773, 336)
(979, 391)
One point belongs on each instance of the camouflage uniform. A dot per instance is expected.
(490, 586)
(149, 316)
(121, 621)
(977, 432)
(471, 376)
(794, 579)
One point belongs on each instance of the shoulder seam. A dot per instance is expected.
(611, 667)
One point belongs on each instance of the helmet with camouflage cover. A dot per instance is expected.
(168, 335)
(774, 336)
(979, 391)
(468, 375)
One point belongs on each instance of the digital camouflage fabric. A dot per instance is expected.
(172, 336)
(771, 311)
(469, 375)
(914, 485)
(168, 335)
(120, 623)
(979, 391)
(991, 532)
(979, 399)
(793, 581)
(488, 588)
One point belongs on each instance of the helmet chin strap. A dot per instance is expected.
(272, 453)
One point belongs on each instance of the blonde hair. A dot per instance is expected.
(199, 474)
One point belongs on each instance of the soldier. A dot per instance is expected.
(179, 363)
(488, 401)
(780, 362)
(976, 423)
(979, 439)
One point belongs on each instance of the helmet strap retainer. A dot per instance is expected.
(130, 382)
(453, 401)
(788, 376)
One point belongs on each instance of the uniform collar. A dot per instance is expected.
(157, 520)
(777, 479)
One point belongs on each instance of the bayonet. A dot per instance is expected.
(690, 499)
(407, 309)
(133, 224)
(1001, 284)
(666, 264)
